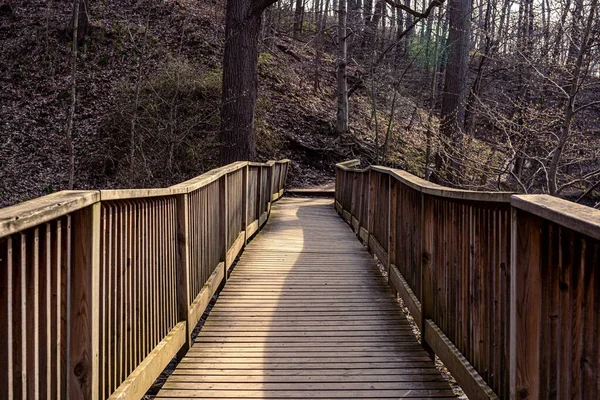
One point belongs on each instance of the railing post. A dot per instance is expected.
(259, 195)
(84, 306)
(370, 205)
(392, 221)
(525, 305)
(285, 174)
(245, 172)
(427, 289)
(224, 221)
(271, 180)
(352, 197)
(183, 269)
(281, 182)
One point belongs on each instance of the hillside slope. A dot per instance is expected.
(152, 68)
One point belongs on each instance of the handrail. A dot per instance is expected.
(577, 217)
(101, 289)
(504, 287)
(34, 212)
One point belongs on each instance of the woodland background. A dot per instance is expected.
(479, 94)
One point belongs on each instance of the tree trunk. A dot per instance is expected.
(319, 42)
(368, 10)
(371, 30)
(298, 18)
(399, 32)
(341, 125)
(453, 107)
(240, 81)
(409, 22)
(71, 116)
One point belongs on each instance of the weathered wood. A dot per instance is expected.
(298, 303)
(83, 374)
(577, 217)
(224, 221)
(311, 192)
(397, 281)
(466, 248)
(126, 194)
(244, 200)
(235, 248)
(252, 229)
(28, 214)
(138, 382)
(526, 303)
(94, 280)
(467, 377)
(183, 268)
(427, 266)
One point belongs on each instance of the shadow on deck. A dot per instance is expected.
(306, 314)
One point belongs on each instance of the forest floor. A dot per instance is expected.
(165, 49)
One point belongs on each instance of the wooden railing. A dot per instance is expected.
(101, 289)
(505, 288)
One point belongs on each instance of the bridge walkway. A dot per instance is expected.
(305, 314)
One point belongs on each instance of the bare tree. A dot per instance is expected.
(73, 102)
(453, 107)
(240, 80)
(341, 125)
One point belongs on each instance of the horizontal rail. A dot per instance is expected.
(101, 289)
(504, 287)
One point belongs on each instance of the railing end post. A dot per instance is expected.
(183, 259)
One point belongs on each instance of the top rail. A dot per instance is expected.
(101, 289)
(504, 287)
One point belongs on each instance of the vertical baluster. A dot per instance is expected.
(23, 335)
(58, 268)
(108, 265)
(9, 319)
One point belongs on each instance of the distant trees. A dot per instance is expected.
(502, 86)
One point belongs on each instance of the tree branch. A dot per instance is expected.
(593, 103)
(424, 14)
(258, 6)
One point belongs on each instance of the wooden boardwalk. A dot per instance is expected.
(306, 314)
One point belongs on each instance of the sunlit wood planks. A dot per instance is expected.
(305, 314)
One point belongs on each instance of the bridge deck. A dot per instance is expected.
(306, 314)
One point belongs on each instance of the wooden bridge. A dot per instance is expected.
(101, 290)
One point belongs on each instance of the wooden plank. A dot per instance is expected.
(235, 248)
(43, 209)
(305, 299)
(245, 204)
(265, 373)
(263, 218)
(299, 379)
(427, 264)
(577, 217)
(399, 284)
(469, 380)
(224, 220)
(378, 250)
(307, 394)
(210, 176)
(196, 309)
(321, 386)
(311, 192)
(363, 234)
(144, 375)
(84, 311)
(126, 194)
(525, 323)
